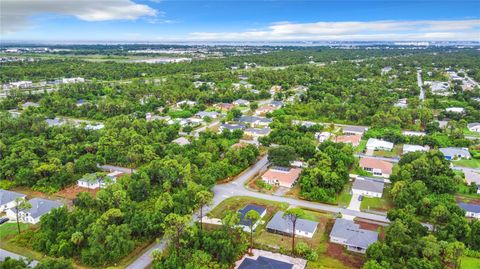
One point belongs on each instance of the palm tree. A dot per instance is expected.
(252, 217)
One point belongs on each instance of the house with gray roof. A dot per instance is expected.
(276, 103)
(231, 127)
(456, 153)
(39, 208)
(254, 120)
(204, 114)
(282, 225)
(471, 210)
(7, 199)
(474, 127)
(245, 221)
(258, 132)
(241, 102)
(354, 130)
(264, 263)
(368, 187)
(348, 233)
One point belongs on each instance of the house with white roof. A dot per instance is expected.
(39, 208)
(182, 141)
(204, 114)
(348, 233)
(455, 153)
(413, 133)
(474, 127)
(407, 148)
(459, 110)
(378, 144)
(95, 181)
(7, 199)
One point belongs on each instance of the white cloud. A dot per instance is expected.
(355, 30)
(15, 14)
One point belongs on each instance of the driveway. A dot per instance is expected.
(355, 203)
(4, 254)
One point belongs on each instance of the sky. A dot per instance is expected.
(239, 20)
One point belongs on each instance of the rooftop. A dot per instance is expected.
(9, 196)
(279, 223)
(284, 175)
(470, 207)
(42, 206)
(349, 230)
(375, 163)
(368, 185)
(243, 212)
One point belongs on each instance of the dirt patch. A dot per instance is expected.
(70, 193)
(367, 225)
(30, 193)
(339, 252)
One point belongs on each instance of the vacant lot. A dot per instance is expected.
(470, 263)
(71, 192)
(10, 228)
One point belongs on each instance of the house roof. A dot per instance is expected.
(378, 143)
(264, 263)
(241, 101)
(354, 129)
(259, 131)
(279, 223)
(368, 185)
(182, 141)
(243, 212)
(470, 207)
(276, 103)
(473, 124)
(284, 175)
(9, 196)
(353, 139)
(210, 114)
(42, 206)
(351, 232)
(253, 119)
(411, 148)
(233, 127)
(455, 152)
(385, 166)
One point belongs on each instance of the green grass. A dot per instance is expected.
(378, 204)
(343, 199)
(361, 147)
(472, 163)
(10, 228)
(470, 263)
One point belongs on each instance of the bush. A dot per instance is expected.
(263, 185)
(306, 252)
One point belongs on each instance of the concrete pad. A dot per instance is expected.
(354, 203)
(297, 262)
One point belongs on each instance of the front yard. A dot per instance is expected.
(472, 163)
(10, 228)
(378, 204)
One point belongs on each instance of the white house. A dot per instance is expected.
(455, 109)
(39, 208)
(94, 181)
(245, 221)
(257, 132)
(474, 127)
(471, 210)
(378, 144)
(7, 199)
(368, 187)
(323, 136)
(455, 153)
(407, 148)
(204, 114)
(72, 80)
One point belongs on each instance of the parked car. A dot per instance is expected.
(360, 198)
(3, 220)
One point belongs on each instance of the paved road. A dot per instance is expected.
(196, 132)
(125, 170)
(420, 84)
(4, 254)
(146, 259)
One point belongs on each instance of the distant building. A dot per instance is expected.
(225, 106)
(349, 234)
(471, 210)
(30, 104)
(231, 127)
(39, 208)
(73, 80)
(255, 121)
(182, 141)
(282, 225)
(241, 102)
(459, 110)
(474, 127)
(245, 221)
(456, 153)
(413, 133)
(258, 132)
(368, 187)
(186, 102)
(204, 114)
(354, 140)
(378, 144)
(276, 104)
(376, 167)
(385, 70)
(354, 130)
(282, 176)
(323, 136)
(7, 199)
(265, 109)
(92, 181)
(413, 148)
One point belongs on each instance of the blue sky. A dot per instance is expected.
(238, 20)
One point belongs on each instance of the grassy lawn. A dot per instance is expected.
(389, 154)
(10, 228)
(238, 202)
(378, 204)
(472, 163)
(361, 147)
(470, 263)
(343, 199)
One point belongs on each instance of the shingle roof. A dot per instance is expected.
(264, 263)
(259, 131)
(252, 119)
(279, 223)
(351, 232)
(470, 207)
(9, 196)
(355, 129)
(385, 166)
(42, 206)
(368, 185)
(473, 124)
(233, 127)
(284, 175)
(181, 141)
(243, 212)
